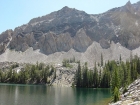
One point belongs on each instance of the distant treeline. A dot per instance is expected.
(32, 74)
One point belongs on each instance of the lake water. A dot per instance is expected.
(42, 95)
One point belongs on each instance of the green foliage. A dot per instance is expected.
(15, 65)
(66, 63)
(95, 77)
(90, 78)
(125, 90)
(105, 80)
(112, 74)
(116, 94)
(115, 81)
(120, 58)
(38, 73)
(85, 76)
(78, 76)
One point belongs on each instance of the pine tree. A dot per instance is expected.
(90, 78)
(105, 81)
(116, 94)
(120, 58)
(85, 74)
(100, 77)
(95, 76)
(115, 81)
(102, 61)
(133, 70)
(78, 75)
(138, 66)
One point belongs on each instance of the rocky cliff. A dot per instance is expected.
(70, 29)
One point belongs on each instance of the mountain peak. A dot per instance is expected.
(129, 7)
(128, 3)
(65, 7)
(66, 11)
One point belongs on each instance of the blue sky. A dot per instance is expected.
(15, 13)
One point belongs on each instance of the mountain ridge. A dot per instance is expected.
(69, 28)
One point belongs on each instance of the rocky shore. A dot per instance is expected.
(132, 96)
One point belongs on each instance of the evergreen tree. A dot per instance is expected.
(85, 78)
(95, 76)
(78, 76)
(116, 94)
(115, 81)
(138, 66)
(105, 81)
(90, 78)
(9, 74)
(14, 78)
(120, 58)
(46, 70)
(129, 72)
(100, 77)
(133, 70)
(102, 61)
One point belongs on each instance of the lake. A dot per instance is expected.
(15, 94)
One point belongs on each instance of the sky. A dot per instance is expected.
(15, 13)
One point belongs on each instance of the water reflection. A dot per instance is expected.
(42, 95)
(16, 95)
(84, 96)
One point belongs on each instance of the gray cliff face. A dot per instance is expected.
(5, 38)
(127, 20)
(56, 32)
(72, 29)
